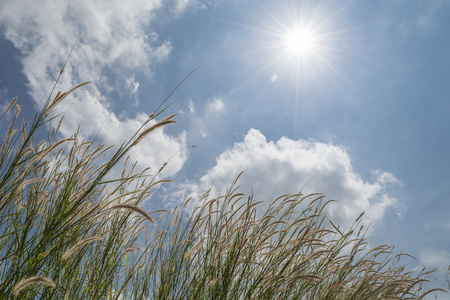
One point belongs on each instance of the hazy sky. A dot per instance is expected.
(347, 98)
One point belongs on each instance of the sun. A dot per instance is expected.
(300, 41)
(296, 42)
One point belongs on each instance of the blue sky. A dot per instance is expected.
(360, 113)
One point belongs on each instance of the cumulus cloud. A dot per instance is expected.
(289, 166)
(115, 41)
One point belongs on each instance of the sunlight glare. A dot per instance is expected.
(300, 41)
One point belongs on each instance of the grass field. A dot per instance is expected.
(69, 231)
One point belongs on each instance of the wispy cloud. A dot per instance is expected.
(133, 86)
(4, 98)
(182, 5)
(191, 106)
(289, 166)
(216, 105)
(205, 116)
(430, 14)
(435, 258)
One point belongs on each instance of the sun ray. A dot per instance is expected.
(297, 42)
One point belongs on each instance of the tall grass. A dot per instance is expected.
(68, 232)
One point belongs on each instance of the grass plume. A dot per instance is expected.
(31, 281)
(163, 122)
(136, 209)
(80, 244)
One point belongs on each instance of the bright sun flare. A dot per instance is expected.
(300, 42)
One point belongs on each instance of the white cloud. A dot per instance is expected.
(216, 105)
(191, 106)
(288, 166)
(132, 85)
(434, 258)
(182, 5)
(204, 117)
(114, 36)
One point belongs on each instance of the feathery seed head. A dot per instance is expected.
(11, 104)
(30, 281)
(80, 245)
(158, 124)
(17, 111)
(136, 209)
